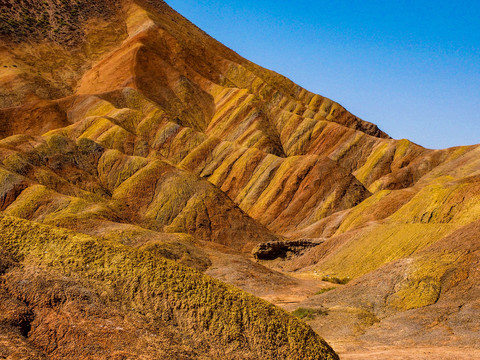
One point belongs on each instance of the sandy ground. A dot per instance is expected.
(289, 299)
(430, 353)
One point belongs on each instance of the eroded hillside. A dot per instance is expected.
(125, 122)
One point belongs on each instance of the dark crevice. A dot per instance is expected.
(25, 323)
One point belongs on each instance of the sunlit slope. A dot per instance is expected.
(207, 110)
(218, 317)
(81, 185)
(211, 145)
(125, 122)
(430, 298)
(394, 224)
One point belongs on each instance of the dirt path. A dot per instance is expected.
(293, 290)
(290, 298)
(420, 353)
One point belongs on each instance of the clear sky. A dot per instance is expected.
(411, 67)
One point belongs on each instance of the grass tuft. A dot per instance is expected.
(308, 313)
(324, 290)
(336, 280)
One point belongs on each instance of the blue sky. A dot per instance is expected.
(411, 67)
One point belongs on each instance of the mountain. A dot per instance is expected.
(139, 158)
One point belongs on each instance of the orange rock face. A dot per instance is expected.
(134, 126)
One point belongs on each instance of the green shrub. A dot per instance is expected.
(336, 280)
(308, 313)
(324, 290)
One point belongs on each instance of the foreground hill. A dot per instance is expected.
(124, 122)
(66, 294)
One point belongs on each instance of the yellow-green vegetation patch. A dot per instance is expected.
(97, 127)
(364, 320)
(423, 284)
(114, 167)
(359, 214)
(347, 145)
(308, 313)
(299, 141)
(373, 160)
(101, 108)
(442, 203)
(259, 180)
(58, 143)
(17, 162)
(375, 246)
(30, 201)
(336, 280)
(202, 307)
(324, 290)
(42, 204)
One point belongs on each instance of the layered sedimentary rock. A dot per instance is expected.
(124, 122)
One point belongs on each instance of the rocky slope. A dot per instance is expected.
(124, 122)
(78, 289)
